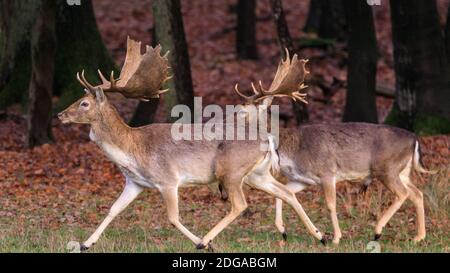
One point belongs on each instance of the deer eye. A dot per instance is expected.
(84, 104)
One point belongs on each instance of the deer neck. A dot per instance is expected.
(110, 130)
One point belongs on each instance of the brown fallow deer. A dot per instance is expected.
(325, 154)
(150, 158)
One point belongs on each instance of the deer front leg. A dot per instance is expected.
(170, 196)
(329, 189)
(130, 193)
(271, 186)
(294, 187)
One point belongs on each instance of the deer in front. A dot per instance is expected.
(150, 158)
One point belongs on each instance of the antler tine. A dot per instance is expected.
(247, 98)
(112, 80)
(84, 83)
(104, 80)
(288, 58)
(87, 84)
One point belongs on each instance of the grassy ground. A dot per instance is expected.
(143, 226)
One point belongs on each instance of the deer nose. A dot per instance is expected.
(60, 115)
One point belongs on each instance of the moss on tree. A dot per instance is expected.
(79, 46)
(421, 124)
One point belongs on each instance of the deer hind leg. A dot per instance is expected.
(395, 185)
(294, 187)
(238, 205)
(269, 185)
(329, 189)
(170, 196)
(130, 193)
(416, 196)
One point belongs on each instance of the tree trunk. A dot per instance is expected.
(146, 110)
(422, 73)
(43, 48)
(362, 63)
(246, 45)
(332, 23)
(170, 32)
(447, 35)
(16, 20)
(80, 46)
(313, 22)
(285, 41)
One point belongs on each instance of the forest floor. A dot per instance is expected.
(60, 192)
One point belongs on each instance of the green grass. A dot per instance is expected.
(143, 227)
(137, 238)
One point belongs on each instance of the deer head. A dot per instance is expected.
(142, 77)
(288, 82)
(87, 110)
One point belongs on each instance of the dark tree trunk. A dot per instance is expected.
(16, 20)
(146, 110)
(170, 32)
(447, 35)
(313, 22)
(246, 45)
(422, 73)
(80, 47)
(43, 48)
(145, 113)
(285, 41)
(362, 63)
(332, 23)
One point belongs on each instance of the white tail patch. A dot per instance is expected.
(417, 165)
(273, 154)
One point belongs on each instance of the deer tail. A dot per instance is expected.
(418, 164)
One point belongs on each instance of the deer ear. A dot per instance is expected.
(99, 95)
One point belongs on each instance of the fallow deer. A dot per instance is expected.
(325, 154)
(150, 158)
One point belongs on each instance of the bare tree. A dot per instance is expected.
(79, 43)
(362, 63)
(421, 68)
(285, 41)
(43, 48)
(246, 45)
(146, 110)
(170, 33)
(327, 18)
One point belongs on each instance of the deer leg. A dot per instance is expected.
(238, 205)
(416, 196)
(130, 193)
(394, 184)
(170, 197)
(294, 187)
(269, 185)
(329, 189)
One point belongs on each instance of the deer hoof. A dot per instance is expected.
(200, 246)
(83, 248)
(210, 248)
(284, 235)
(377, 237)
(418, 239)
(324, 241)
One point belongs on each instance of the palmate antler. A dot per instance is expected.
(288, 82)
(142, 76)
